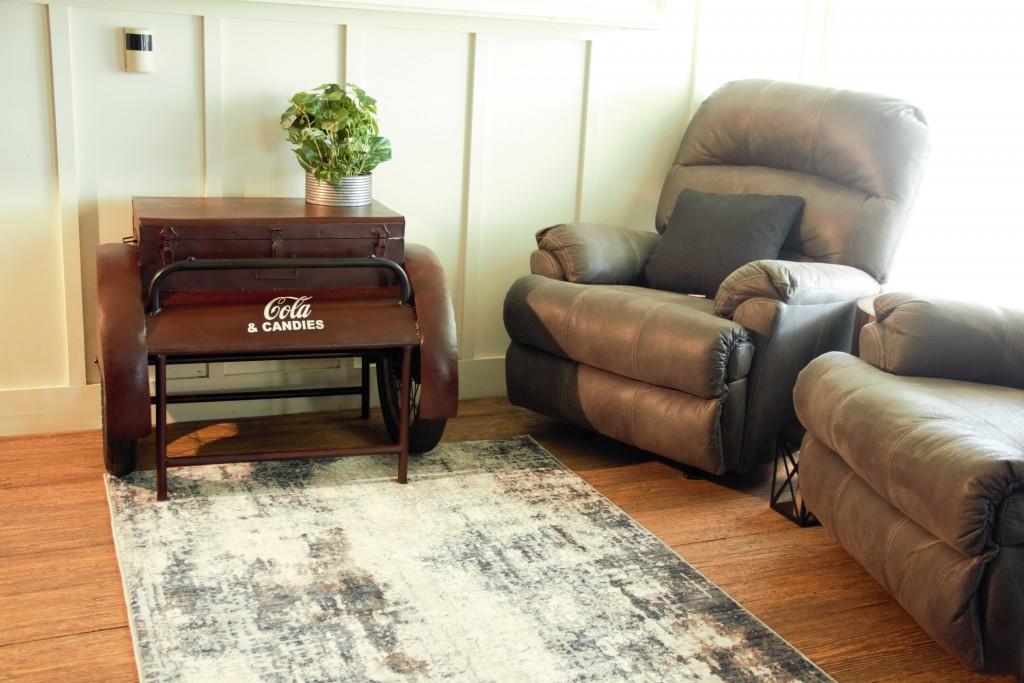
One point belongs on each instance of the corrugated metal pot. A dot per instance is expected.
(356, 190)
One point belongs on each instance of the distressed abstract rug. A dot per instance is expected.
(494, 563)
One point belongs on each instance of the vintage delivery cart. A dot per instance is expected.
(221, 280)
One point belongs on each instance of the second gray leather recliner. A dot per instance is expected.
(708, 382)
(914, 459)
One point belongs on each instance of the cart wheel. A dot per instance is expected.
(118, 454)
(424, 435)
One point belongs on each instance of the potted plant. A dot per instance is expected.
(337, 140)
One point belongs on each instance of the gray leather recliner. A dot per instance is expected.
(914, 459)
(709, 382)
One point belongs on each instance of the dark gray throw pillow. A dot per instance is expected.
(711, 235)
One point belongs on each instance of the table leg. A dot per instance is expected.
(364, 374)
(161, 427)
(403, 421)
(792, 507)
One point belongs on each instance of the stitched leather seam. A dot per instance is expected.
(835, 409)
(891, 458)
(839, 492)
(556, 266)
(890, 349)
(750, 118)
(639, 261)
(568, 318)
(565, 260)
(817, 131)
(876, 332)
(630, 422)
(889, 541)
(636, 338)
(552, 263)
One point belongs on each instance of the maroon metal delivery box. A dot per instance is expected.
(170, 229)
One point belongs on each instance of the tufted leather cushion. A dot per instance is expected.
(661, 338)
(855, 158)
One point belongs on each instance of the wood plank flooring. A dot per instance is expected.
(62, 613)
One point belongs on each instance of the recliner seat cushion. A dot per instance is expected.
(661, 338)
(947, 454)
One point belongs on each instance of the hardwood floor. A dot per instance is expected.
(62, 613)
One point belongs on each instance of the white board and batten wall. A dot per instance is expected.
(505, 117)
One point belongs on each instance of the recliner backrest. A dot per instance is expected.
(855, 158)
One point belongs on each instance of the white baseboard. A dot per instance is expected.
(49, 409)
(65, 409)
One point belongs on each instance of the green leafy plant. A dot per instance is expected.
(335, 131)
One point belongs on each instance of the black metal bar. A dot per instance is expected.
(241, 357)
(190, 460)
(257, 394)
(403, 416)
(267, 263)
(794, 509)
(161, 428)
(364, 388)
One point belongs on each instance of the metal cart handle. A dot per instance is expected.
(261, 263)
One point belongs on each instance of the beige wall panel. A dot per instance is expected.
(531, 156)
(638, 110)
(33, 351)
(264, 64)
(136, 134)
(420, 79)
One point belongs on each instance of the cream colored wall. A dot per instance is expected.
(500, 126)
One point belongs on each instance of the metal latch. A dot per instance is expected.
(276, 251)
(168, 244)
(381, 235)
(276, 243)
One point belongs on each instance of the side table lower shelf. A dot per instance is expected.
(161, 399)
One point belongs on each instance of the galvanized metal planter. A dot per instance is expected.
(354, 190)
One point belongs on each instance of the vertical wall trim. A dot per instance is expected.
(353, 71)
(213, 106)
(827, 18)
(815, 17)
(473, 191)
(59, 18)
(588, 115)
(691, 97)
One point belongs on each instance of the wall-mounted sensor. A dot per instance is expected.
(138, 50)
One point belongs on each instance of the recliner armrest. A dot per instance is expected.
(943, 338)
(586, 253)
(793, 282)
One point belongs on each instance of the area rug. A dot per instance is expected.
(494, 563)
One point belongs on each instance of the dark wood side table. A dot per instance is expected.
(785, 492)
